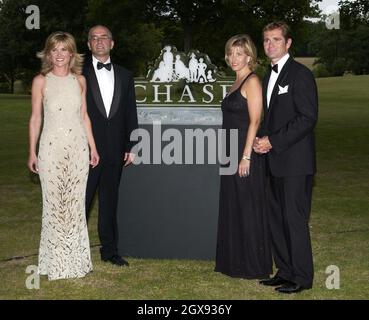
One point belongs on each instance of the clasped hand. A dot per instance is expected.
(262, 145)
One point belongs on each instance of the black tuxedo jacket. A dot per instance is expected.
(112, 132)
(290, 120)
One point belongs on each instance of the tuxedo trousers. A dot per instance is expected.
(105, 178)
(290, 205)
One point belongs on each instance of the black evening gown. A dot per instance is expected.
(243, 249)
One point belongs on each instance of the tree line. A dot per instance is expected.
(142, 28)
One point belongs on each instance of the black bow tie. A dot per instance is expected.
(275, 68)
(101, 65)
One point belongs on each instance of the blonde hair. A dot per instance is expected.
(76, 60)
(243, 41)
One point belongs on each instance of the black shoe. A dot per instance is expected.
(290, 288)
(273, 282)
(117, 260)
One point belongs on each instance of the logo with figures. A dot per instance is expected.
(173, 66)
(181, 79)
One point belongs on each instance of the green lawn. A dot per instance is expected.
(339, 220)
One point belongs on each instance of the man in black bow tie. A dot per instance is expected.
(287, 138)
(101, 65)
(275, 68)
(111, 105)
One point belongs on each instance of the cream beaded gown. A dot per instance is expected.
(63, 162)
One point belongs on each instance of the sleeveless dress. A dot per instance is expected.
(63, 161)
(243, 248)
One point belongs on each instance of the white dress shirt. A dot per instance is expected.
(105, 78)
(274, 76)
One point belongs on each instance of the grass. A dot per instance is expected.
(339, 219)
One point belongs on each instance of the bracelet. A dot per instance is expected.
(245, 157)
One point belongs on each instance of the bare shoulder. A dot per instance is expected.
(38, 85)
(38, 80)
(82, 81)
(253, 80)
(252, 83)
(81, 78)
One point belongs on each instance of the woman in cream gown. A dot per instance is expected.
(65, 146)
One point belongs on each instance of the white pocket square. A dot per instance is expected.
(282, 90)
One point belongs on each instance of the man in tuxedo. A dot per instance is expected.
(287, 138)
(111, 105)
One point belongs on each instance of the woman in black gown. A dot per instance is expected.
(242, 243)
